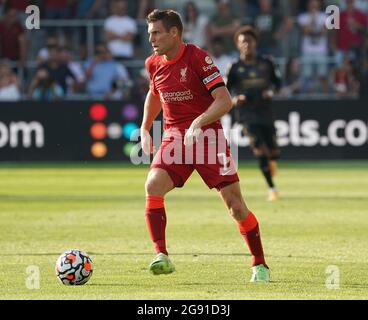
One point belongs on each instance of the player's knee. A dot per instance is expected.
(157, 187)
(275, 154)
(158, 183)
(153, 187)
(259, 153)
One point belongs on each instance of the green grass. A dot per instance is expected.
(320, 220)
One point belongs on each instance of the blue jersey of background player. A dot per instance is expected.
(252, 80)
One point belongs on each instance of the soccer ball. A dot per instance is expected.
(74, 267)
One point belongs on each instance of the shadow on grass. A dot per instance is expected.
(109, 285)
(183, 284)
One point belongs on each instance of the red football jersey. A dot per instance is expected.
(184, 85)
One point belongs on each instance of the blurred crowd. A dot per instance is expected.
(102, 56)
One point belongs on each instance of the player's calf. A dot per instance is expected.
(273, 167)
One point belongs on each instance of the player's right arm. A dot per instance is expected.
(231, 77)
(152, 108)
(275, 79)
(238, 100)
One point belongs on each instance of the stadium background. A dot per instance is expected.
(87, 115)
(72, 57)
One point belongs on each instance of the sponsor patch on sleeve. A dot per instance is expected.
(211, 77)
(212, 80)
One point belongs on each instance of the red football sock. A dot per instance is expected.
(249, 229)
(156, 222)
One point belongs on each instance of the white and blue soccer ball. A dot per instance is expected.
(74, 267)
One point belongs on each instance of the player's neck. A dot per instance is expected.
(248, 58)
(174, 52)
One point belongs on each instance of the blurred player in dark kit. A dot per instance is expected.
(253, 80)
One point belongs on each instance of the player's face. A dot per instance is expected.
(161, 40)
(246, 44)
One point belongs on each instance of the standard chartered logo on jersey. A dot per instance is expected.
(176, 96)
(307, 133)
(22, 134)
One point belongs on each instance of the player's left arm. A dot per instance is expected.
(221, 105)
(275, 81)
(212, 80)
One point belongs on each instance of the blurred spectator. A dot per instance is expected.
(105, 76)
(9, 84)
(44, 88)
(364, 78)
(2, 7)
(20, 5)
(77, 83)
(292, 79)
(141, 86)
(139, 9)
(291, 7)
(251, 8)
(314, 49)
(52, 41)
(120, 30)
(194, 25)
(12, 38)
(144, 8)
(350, 36)
(219, 57)
(267, 24)
(361, 5)
(88, 9)
(57, 69)
(223, 24)
(57, 9)
(345, 83)
(288, 37)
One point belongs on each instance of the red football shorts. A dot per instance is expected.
(210, 156)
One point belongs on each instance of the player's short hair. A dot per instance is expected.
(246, 30)
(169, 18)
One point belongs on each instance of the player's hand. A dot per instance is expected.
(146, 142)
(192, 135)
(239, 100)
(267, 94)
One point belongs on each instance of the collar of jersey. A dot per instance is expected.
(249, 63)
(178, 57)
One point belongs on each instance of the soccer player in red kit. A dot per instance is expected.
(188, 87)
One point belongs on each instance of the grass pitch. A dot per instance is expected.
(320, 221)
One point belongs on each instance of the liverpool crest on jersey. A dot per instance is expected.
(183, 74)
